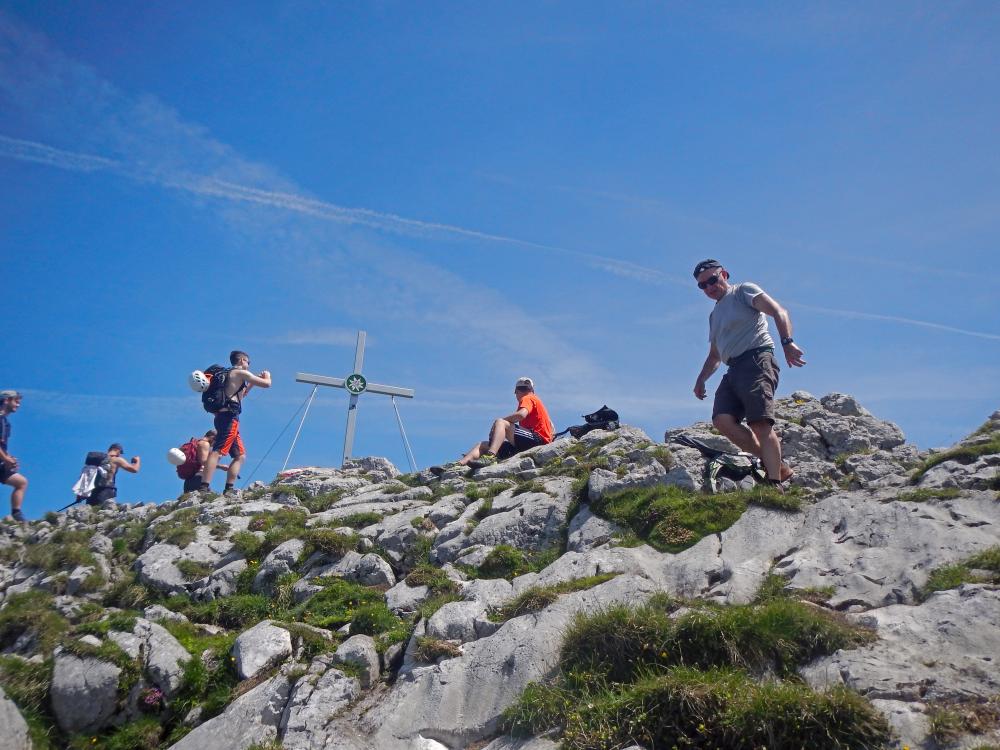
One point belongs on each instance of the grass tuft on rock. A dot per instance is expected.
(431, 649)
(32, 614)
(963, 454)
(924, 494)
(538, 598)
(684, 707)
(433, 578)
(671, 519)
(983, 567)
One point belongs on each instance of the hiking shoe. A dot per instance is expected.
(231, 492)
(18, 516)
(487, 459)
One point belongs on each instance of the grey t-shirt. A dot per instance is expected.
(735, 326)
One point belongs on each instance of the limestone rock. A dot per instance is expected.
(14, 735)
(281, 560)
(260, 648)
(360, 651)
(252, 719)
(314, 699)
(84, 692)
(587, 531)
(455, 621)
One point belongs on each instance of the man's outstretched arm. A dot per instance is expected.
(768, 306)
(132, 467)
(712, 362)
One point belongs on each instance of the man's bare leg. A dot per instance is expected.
(770, 453)
(477, 450)
(20, 484)
(209, 468)
(502, 430)
(758, 439)
(234, 469)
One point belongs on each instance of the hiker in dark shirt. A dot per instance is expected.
(105, 488)
(228, 441)
(10, 402)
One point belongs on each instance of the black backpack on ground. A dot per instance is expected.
(214, 397)
(718, 463)
(604, 418)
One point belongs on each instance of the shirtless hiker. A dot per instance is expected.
(228, 441)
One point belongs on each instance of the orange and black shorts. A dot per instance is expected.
(227, 439)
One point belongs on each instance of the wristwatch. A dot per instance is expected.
(787, 340)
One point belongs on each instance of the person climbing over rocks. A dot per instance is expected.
(104, 486)
(527, 427)
(739, 337)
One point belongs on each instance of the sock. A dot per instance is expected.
(204, 486)
(229, 486)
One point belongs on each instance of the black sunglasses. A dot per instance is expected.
(710, 281)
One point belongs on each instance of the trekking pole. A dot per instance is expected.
(296, 438)
(75, 502)
(268, 453)
(406, 443)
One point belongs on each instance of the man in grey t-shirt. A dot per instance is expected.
(738, 335)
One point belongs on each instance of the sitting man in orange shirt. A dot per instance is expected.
(527, 427)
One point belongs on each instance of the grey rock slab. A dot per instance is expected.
(14, 734)
(980, 474)
(162, 655)
(281, 560)
(505, 469)
(360, 651)
(252, 719)
(446, 510)
(159, 612)
(587, 531)
(314, 699)
(222, 582)
(372, 570)
(84, 692)
(491, 592)
(875, 554)
(909, 721)
(404, 599)
(455, 621)
(460, 700)
(556, 449)
(943, 649)
(156, 567)
(260, 648)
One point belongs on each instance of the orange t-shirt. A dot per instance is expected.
(537, 419)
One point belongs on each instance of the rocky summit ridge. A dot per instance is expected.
(583, 594)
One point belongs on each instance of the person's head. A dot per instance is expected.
(239, 359)
(10, 401)
(210, 435)
(712, 278)
(115, 449)
(523, 387)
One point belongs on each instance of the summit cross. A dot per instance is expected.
(356, 384)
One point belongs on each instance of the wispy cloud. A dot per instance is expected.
(208, 186)
(318, 337)
(895, 319)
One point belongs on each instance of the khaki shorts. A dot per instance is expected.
(747, 388)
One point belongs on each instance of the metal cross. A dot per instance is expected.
(356, 384)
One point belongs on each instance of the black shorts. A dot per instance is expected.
(6, 473)
(747, 389)
(523, 440)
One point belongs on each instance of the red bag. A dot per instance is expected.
(191, 463)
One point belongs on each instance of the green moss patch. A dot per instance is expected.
(505, 561)
(336, 605)
(671, 519)
(179, 529)
(433, 578)
(924, 494)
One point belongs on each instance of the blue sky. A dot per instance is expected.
(490, 190)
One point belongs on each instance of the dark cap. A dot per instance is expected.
(13, 395)
(705, 265)
(116, 447)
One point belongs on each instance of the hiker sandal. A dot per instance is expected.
(487, 459)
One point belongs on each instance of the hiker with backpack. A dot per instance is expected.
(97, 484)
(10, 402)
(528, 427)
(739, 336)
(224, 398)
(196, 452)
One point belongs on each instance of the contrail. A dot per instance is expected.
(897, 319)
(40, 153)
